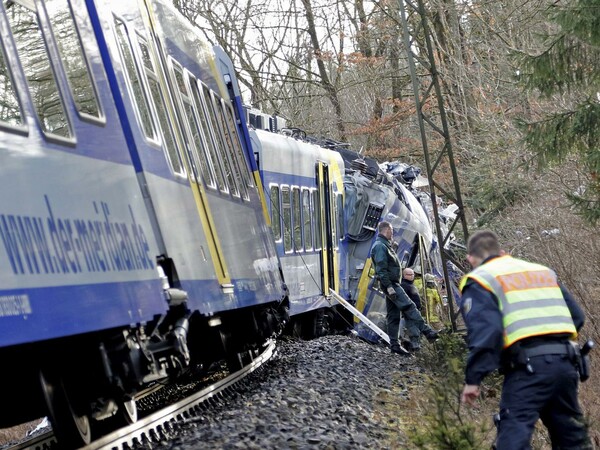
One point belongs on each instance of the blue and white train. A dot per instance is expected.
(304, 188)
(325, 202)
(134, 241)
(145, 231)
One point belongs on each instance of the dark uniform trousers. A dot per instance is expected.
(547, 391)
(414, 322)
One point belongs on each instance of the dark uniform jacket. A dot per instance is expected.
(387, 266)
(412, 292)
(479, 308)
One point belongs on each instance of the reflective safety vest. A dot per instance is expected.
(529, 298)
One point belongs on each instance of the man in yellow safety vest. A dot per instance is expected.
(521, 320)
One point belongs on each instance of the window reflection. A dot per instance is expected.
(69, 46)
(10, 112)
(38, 70)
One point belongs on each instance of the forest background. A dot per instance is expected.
(520, 85)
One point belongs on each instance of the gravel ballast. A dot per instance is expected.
(334, 392)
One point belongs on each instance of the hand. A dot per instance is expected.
(469, 394)
(391, 292)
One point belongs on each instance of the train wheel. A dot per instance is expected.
(125, 415)
(71, 427)
(127, 412)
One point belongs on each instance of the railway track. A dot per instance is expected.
(161, 424)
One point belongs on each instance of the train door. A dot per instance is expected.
(326, 227)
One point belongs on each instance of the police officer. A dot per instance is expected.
(520, 320)
(387, 269)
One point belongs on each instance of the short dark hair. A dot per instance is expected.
(483, 243)
(384, 226)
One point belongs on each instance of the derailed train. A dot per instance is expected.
(137, 240)
(325, 202)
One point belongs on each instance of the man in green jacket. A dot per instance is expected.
(387, 269)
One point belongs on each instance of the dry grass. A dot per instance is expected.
(545, 230)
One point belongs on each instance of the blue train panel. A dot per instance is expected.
(216, 232)
(304, 190)
(73, 221)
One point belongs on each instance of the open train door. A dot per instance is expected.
(326, 226)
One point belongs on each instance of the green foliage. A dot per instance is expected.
(444, 424)
(493, 189)
(569, 65)
(572, 54)
(559, 134)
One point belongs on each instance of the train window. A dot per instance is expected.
(317, 218)
(238, 152)
(333, 215)
(226, 164)
(340, 216)
(275, 212)
(296, 219)
(10, 112)
(232, 144)
(38, 70)
(197, 145)
(160, 107)
(210, 143)
(307, 229)
(71, 52)
(140, 100)
(238, 160)
(287, 218)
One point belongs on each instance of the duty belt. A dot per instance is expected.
(551, 349)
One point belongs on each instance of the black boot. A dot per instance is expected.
(413, 347)
(398, 349)
(432, 335)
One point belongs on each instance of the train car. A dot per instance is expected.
(289, 163)
(134, 245)
(304, 192)
(385, 197)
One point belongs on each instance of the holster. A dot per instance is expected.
(584, 368)
(583, 362)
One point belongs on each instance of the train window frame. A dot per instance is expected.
(297, 232)
(202, 89)
(199, 155)
(306, 219)
(317, 214)
(202, 120)
(239, 154)
(333, 218)
(275, 205)
(158, 101)
(22, 127)
(339, 198)
(287, 224)
(100, 119)
(217, 126)
(50, 136)
(127, 76)
(232, 141)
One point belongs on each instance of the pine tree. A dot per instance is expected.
(568, 70)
